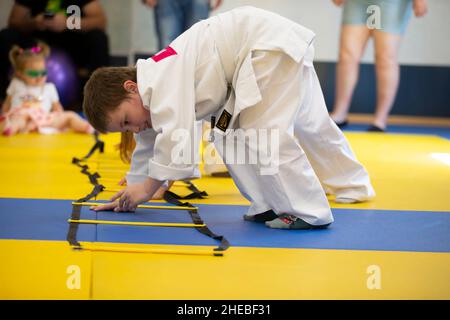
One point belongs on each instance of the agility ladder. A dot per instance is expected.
(169, 196)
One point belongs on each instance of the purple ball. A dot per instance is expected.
(62, 72)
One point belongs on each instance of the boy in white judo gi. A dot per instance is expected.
(248, 69)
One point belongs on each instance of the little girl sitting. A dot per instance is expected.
(32, 104)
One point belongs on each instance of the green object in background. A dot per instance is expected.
(54, 6)
(36, 73)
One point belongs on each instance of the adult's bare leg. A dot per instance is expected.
(387, 74)
(352, 44)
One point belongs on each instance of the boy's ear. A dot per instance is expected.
(130, 86)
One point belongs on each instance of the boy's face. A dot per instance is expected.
(130, 115)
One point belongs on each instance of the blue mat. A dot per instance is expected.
(35, 219)
(443, 132)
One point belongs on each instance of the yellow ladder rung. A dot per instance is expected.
(112, 190)
(143, 224)
(109, 179)
(123, 172)
(148, 250)
(142, 206)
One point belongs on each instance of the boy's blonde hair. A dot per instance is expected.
(104, 92)
(19, 56)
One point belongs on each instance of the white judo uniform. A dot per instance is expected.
(251, 69)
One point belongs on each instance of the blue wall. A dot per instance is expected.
(423, 90)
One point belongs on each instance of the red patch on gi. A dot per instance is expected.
(167, 52)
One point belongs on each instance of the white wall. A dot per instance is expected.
(130, 27)
(426, 41)
(5, 7)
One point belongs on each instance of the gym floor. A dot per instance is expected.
(394, 247)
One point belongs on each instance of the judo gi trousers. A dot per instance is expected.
(313, 154)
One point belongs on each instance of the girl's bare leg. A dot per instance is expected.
(15, 124)
(71, 120)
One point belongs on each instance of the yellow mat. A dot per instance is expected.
(404, 172)
(49, 270)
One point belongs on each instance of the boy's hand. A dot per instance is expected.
(130, 197)
(123, 181)
(105, 207)
(160, 193)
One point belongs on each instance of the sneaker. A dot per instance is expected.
(342, 125)
(261, 217)
(288, 221)
(374, 128)
(224, 174)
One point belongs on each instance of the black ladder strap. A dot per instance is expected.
(99, 144)
(76, 213)
(76, 208)
(196, 193)
(173, 198)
